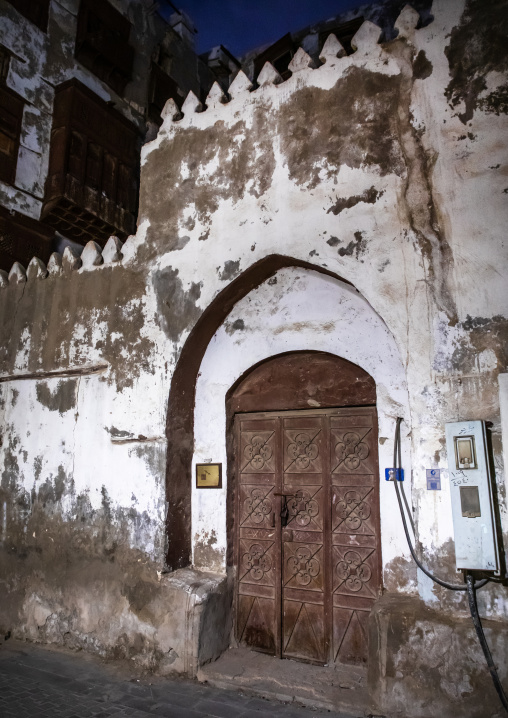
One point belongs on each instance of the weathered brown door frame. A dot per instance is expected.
(328, 599)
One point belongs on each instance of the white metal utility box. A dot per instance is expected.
(476, 540)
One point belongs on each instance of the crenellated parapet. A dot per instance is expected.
(91, 257)
(366, 44)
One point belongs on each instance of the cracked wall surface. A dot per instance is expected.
(374, 173)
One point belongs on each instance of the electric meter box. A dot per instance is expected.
(476, 540)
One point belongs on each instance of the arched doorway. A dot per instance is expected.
(303, 507)
(180, 416)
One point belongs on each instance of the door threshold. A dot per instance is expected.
(336, 687)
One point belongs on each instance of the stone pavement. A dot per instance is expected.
(43, 681)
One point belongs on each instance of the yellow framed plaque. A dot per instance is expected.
(209, 476)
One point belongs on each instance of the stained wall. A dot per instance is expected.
(378, 178)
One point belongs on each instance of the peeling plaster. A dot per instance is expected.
(61, 398)
(477, 48)
(360, 166)
(177, 307)
(369, 197)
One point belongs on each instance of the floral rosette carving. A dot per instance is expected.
(303, 566)
(257, 506)
(353, 510)
(352, 571)
(302, 451)
(258, 452)
(256, 562)
(302, 508)
(351, 450)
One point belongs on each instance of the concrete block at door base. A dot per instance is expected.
(177, 622)
(199, 623)
(424, 662)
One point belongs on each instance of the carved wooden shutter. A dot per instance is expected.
(258, 552)
(355, 530)
(304, 574)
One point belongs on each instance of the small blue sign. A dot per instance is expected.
(433, 479)
(391, 474)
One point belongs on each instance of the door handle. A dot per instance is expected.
(284, 512)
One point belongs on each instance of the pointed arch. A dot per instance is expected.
(180, 415)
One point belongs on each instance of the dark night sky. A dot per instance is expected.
(242, 25)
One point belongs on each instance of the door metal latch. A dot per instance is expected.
(284, 512)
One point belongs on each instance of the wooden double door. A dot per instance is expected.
(307, 533)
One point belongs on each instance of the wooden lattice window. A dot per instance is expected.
(34, 10)
(102, 43)
(92, 185)
(279, 54)
(161, 88)
(22, 238)
(5, 59)
(11, 115)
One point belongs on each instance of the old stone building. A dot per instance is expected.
(81, 82)
(196, 423)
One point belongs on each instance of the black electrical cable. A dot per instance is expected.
(397, 451)
(473, 607)
(445, 584)
(470, 586)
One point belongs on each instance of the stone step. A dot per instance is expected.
(338, 688)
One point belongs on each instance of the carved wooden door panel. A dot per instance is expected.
(355, 530)
(305, 589)
(258, 554)
(304, 560)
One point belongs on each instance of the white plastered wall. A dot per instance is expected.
(291, 218)
(297, 309)
(392, 270)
